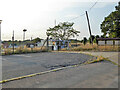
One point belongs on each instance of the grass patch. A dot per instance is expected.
(23, 50)
(100, 59)
(91, 47)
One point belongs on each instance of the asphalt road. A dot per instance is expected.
(97, 75)
(24, 64)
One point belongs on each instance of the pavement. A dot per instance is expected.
(97, 75)
(24, 64)
(113, 56)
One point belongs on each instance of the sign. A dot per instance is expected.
(53, 43)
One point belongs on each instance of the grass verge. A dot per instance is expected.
(99, 59)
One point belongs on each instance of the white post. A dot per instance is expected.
(0, 35)
(0, 57)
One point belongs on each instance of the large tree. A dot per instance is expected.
(84, 40)
(93, 37)
(62, 31)
(37, 40)
(111, 24)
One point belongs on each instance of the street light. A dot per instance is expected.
(0, 35)
(13, 41)
(0, 31)
(0, 56)
(24, 34)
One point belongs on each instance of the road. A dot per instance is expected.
(97, 75)
(24, 64)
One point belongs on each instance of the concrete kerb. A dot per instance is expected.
(103, 57)
(35, 74)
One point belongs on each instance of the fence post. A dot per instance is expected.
(48, 43)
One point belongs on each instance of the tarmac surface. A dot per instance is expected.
(97, 75)
(24, 64)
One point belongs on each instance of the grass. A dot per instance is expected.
(94, 47)
(99, 59)
(81, 47)
(23, 50)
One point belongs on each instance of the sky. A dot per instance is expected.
(38, 15)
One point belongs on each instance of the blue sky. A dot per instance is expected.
(38, 15)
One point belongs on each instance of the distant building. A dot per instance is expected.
(58, 44)
(29, 44)
(109, 41)
(5, 45)
(53, 44)
(11, 46)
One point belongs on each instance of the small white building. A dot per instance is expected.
(108, 41)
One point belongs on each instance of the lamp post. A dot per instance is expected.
(24, 34)
(0, 56)
(13, 41)
(0, 29)
(0, 35)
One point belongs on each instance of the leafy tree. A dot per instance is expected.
(62, 31)
(84, 40)
(111, 25)
(93, 37)
(36, 40)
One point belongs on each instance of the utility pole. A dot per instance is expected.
(89, 26)
(13, 41)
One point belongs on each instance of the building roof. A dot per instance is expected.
(58, 40)
(108, 38)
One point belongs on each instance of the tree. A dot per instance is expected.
(62, 31)
(93, 37)
(111, 25)
(36, 40)
(84, 40)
